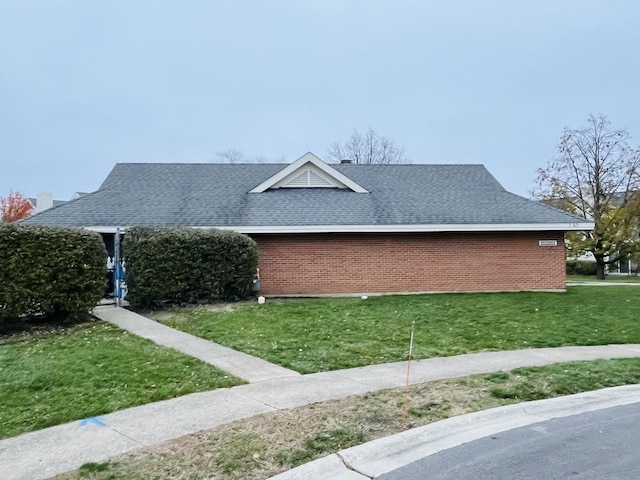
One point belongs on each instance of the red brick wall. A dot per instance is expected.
(311, 264)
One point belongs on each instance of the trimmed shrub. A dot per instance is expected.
(581, 267)
(49, 271)
(178, 266)
(586, 267)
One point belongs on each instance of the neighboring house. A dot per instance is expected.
(345, 228)
(623, 264)
(78, 195)
(617, 264)
(44, 201)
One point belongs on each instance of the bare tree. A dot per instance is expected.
(265, 159)
(597, 177)
(369, 147)
(233, 155)
(230, 155)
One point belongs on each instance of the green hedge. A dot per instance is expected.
(47, 271)
(581, 267)
(178, 266)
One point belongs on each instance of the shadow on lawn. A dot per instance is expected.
(14, 330)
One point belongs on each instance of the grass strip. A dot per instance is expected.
(262, 446)
(90, 369)
(313, 335)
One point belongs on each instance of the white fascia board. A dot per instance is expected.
(308, 158)
(500, 227)
(516, 227)
(105, 229)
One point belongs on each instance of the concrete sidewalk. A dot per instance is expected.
(236, 363)
(44, 453)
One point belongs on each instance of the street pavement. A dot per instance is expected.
(597, 445)
(408, 455)
(44, 453)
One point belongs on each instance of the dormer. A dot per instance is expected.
(308, 172)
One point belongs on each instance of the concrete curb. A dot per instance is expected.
(384, 455)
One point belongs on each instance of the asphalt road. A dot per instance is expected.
(591, 446)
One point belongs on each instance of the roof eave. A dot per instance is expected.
(428, 228)
(515, 227)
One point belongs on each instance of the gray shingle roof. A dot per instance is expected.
(56, 203)
(216, 195)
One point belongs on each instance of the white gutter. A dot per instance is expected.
(430, 228)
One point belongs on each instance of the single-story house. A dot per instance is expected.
(345, 228)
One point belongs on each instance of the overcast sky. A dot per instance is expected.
(86, 84)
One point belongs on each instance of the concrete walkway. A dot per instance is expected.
(236, 363)
(44, 453)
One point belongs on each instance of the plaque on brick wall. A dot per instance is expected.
(548, 243)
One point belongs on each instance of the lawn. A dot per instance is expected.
(609, 279)
(313, 335)
(262, 446)
(88, 369)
